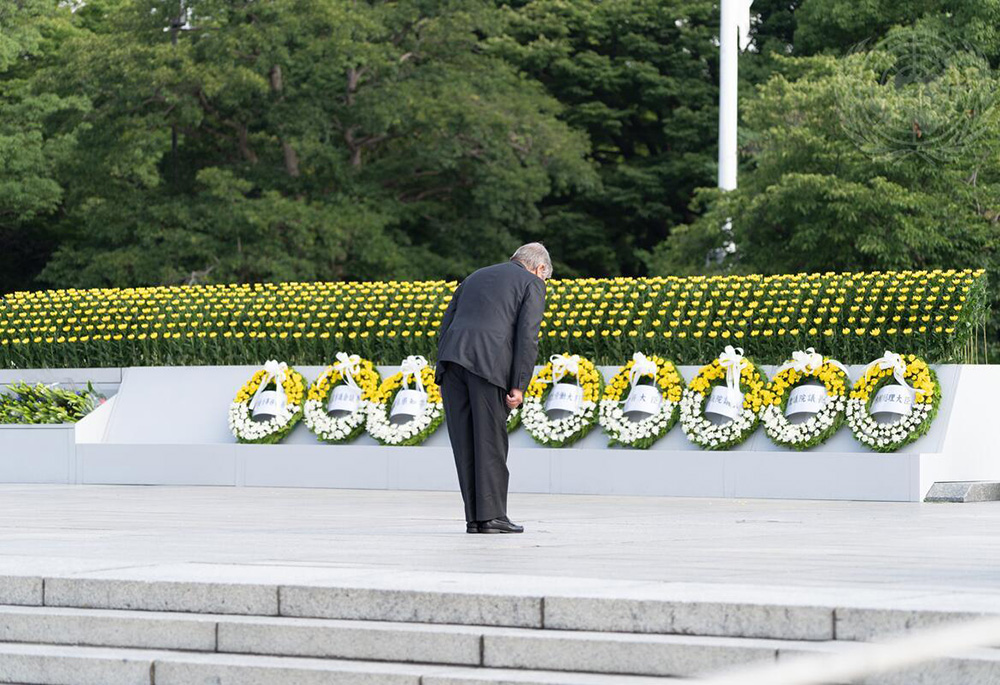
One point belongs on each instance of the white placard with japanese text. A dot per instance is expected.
(645, 399)
(269, 403)
(724, 402)
(893, 399)
(344, 398)
(564, 397)
(806, 399)
(408, 403)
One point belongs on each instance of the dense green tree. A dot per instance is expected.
(161, 141)
(32, 145)
(639, 77)
(302, 139)
(840, 26)
(814, 196)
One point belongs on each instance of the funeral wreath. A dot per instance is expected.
(655, 404)
(904, 391)
(268, 405)
(401, 415)
(807, 384)
(569, 384)
(336, 408)
(731, 387)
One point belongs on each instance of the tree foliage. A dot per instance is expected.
(639, 76)
(299, 139)
(160, 142)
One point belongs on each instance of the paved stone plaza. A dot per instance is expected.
(940, 547)
(174, 585)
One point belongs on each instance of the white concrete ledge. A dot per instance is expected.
(168, 426)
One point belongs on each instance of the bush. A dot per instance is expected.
(938, 315)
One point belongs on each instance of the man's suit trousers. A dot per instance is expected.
(476, 413)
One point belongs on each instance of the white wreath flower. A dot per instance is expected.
(738, 372)
(353, 371)
(641, 434)
(569, 429)
(419, 427)
(290, 386)
(909, 371)
(807, 365)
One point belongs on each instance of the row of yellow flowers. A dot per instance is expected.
(937, 314)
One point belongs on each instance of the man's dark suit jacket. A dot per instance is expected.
(491, 325)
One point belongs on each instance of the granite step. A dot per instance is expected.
(482, 646)
(65, 665)
(556, 604)
(478, 648)
(75, 665)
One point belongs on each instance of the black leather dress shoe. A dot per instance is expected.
(472, 527)
(500, 525)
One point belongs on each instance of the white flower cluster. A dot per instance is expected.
(702, 432)
(334, 428)
(386, 432)
(512, 416)
(243, 426)
(784, 432)
(884, 436)
(537, 422)
(628, 432)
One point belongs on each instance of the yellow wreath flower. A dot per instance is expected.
(567, 430)
(620, 429)
(241, 422)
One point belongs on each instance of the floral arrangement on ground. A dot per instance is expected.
(823, 382)
(362, 382)
(46, 404)
(420, 426)
(288, 388)
(667, 381)
(918, 381)
(741, 377)
(576, 424)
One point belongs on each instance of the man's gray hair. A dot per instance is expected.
(533, 255)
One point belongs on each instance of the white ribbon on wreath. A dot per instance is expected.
(891, 360)
(641, 366)
(733, 362)
(563, 365)
(348, 367)
(809, 361)
(273, 371)
(412, 366)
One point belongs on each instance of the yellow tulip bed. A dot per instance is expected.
(938, 315)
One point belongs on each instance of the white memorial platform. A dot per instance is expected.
(167, 425)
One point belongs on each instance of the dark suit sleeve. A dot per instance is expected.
(449, 313)
(529, 320)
